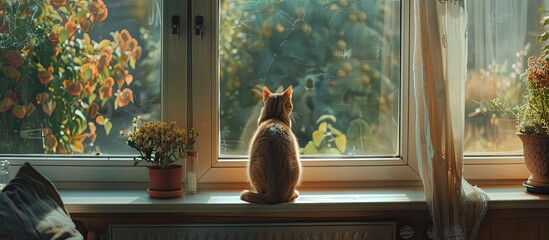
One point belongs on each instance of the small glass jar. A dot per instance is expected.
(4, 173)
(191, 172)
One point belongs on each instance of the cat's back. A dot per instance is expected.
(273, 131)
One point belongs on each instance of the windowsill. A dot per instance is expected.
(208, 201)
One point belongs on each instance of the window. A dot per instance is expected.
(502, 35)
(348, 61)
(343, 59)
(75, 73)
(346, 64)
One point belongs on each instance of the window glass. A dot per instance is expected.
(74, 72)
(502, 35)
(343, 59)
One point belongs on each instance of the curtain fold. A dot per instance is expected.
(440, 70)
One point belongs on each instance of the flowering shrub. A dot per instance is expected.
(535, 119)
(55, 77)
(159, 143)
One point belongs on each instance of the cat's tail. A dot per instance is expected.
(265, 198)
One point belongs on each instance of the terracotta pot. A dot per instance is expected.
(165, 182)
(536, 158)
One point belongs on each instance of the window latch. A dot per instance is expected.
(175, 25)
(199, 26)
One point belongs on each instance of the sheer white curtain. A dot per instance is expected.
(498, 32)
(440, 70)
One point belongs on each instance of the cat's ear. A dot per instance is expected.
(288, 92)
(266, 93)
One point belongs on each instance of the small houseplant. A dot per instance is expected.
(160, 144)
(533, 127)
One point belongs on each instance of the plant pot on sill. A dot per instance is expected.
(536, 159)
(165, 182)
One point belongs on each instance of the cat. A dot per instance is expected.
(274, 169)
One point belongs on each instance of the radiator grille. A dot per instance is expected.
(292, 231)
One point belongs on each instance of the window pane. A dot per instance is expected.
(342, 59)
(502, 36)
(74, 73)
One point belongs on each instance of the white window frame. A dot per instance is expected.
(335, 172)
(96, 171)
(192, 102)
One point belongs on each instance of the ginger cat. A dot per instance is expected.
(274, 169)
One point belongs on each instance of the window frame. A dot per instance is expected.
(205, 117)
(198, 109)
(93, 171)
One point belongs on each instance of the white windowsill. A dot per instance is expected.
(211, 201)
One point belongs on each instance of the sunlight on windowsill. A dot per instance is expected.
(411, 198)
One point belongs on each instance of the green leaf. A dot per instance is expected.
(318, 137)
(358, 128)
(341, 142)
(542, 37)
(310, 149)
(116, 103)
(334, 130)
(331, 151)
(541, 10)
(92, 97)
(81, 120)
(325, 118)
(63, 10)
(63, 35)
(322, 127)
(132, 63)
(545, 23)
(108, 127)
(87, 74)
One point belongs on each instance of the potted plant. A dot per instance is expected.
(160, 144)
(533, 128)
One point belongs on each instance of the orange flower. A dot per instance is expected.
(62, 149)
(88, 90)
(53, 38)
(89, 64)
(70, 26)
(19, 111)
(76, 143)
(99, 10)
(6, 104)
(42, 97)
(124, 37)
(30, 109)
(109, 82)
(132, 44)
(92, 110)
(50, 142)
(100, 120)
(125, 97)
(92, 135)
(136, 53)
(105, 58)
(45, 77)
(85, 24)
(48, 107)
(13, 58)
(58, 3)
(105, 91)
(73, 88)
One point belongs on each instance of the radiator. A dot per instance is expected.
(287, 231)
